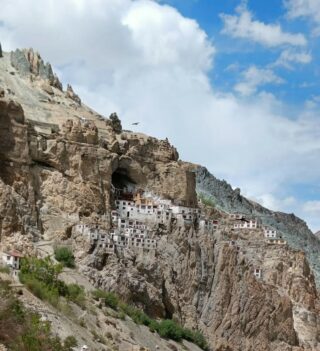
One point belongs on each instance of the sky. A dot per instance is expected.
(233, 84)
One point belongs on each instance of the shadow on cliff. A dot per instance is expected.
(10, 113)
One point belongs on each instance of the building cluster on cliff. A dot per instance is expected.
(136, 217)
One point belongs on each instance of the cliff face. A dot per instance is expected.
(292, 228)
(59, 163)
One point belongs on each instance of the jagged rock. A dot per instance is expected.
(47, 88)
(2, 92)
(20, 62)
(1, 55)
(29, 62)
(82, 132)
(51, 178)
(72, 95)
(293, 229)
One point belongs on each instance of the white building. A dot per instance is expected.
(247, 224)
(276, 241)
(12, 259)
(257, 273)
(270, 232)
(208, 224)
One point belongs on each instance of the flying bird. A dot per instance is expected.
(135, 123)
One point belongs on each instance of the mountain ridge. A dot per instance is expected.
(61, 166)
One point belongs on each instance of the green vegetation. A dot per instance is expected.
(165, 328)
(206, 200)
(111, 300)
(65, 256)
(115, 123)
(4, 269)
(41, 277)
(22, 330)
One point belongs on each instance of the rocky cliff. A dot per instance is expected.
(59, 163)
(292, 228)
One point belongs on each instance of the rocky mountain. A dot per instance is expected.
(61, 164)
(292, 228)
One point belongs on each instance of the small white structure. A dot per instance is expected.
(208, 224)
(276, 241)
(84, 348)
(12, 259)
(270, 232)
(247, 224)
(257, 273)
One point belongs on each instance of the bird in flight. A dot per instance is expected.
(135, 123)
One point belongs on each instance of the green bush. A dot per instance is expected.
(110, 299)
(76, 294)
(41, 277)
(166, 328)
(4, 269)
(21, 329)
(69, 343)
(169, 329)
(65, 256)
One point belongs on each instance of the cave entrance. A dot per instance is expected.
(122, 184)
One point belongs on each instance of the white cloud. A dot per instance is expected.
(255, 77)
(289, 57)
(305, 9)
(150, 64)
(312, 207)
(276, 204)
(244, 26)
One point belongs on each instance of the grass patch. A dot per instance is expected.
(22, 329)
(165, 328)
(4, 269)
(41, 277)
(65, 256)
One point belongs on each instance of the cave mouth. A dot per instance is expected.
(122, 181)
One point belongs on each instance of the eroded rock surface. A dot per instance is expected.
(58, 163)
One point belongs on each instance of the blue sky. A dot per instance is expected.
(233, 84)
(301, 83)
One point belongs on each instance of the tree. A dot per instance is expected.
(115, 123)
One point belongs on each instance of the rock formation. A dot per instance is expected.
(29, 62)
(72, 95)
(59, 162)
(293, 229)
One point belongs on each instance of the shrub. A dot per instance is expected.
(76, 294)
(199, 340)
(21, 329)
(41, 277)
(115, 123)
(110, 299)
(69, 343)
(166, 328)
(171, 330)
(4, 269)
(65, 256)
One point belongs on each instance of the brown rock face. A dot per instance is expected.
(53, 177)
